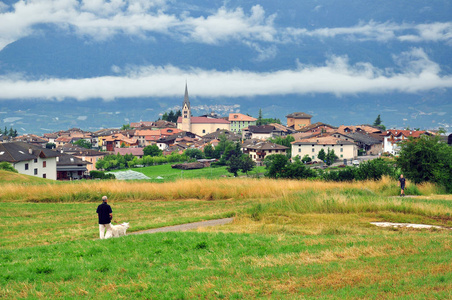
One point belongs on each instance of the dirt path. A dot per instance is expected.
(189, 226)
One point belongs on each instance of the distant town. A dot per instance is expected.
(72, 154)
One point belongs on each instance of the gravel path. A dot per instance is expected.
(189, 226)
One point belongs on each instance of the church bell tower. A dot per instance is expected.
(186, 113)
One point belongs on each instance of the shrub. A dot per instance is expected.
(101, 175)
(7, 167)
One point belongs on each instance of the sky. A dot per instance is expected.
(90, 50)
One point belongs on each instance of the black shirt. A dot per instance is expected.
(104, 211)
(402, 181)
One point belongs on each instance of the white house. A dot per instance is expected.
(311, 147)
(30, 159)
(393, 138)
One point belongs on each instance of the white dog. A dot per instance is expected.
(119, 230)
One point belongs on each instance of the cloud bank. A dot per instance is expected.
(417, 73)
(100, 19)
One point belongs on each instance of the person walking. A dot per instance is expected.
(402, 182)
(105, 215)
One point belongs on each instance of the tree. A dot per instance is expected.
(426, 159)
(125, 127)
(165, 116)
(330, 157)
(259, 118)
(194, 153)
(177, 115)
(83, 143)
(50, 146)
(306, 158)
(377, 121)
(284, 141)
(247, 164)
(209, 152)
(171, 117)
(234, 164)
(152, 150)
(321, 155)
(123, 145)
(275, 165)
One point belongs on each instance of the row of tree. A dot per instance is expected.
(172, 116)
(11, 132)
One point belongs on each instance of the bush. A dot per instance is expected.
(101, 175)
(7, 167)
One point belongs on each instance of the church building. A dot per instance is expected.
(199, 125)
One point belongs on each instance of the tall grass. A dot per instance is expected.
(206, 189)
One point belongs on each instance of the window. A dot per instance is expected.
(313, 157)
(36, 171)
(203, 131)
(342, 149)
(299, 149)
(35, 160)
(26, 166)
(313, 150)
(342, 156)
(44, 175)
(44, 163)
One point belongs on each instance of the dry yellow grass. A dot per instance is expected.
(183, 189)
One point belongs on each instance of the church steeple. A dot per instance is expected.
(186, 101)
(186, 112)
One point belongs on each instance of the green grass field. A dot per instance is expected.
(169, 174)
(288, 240)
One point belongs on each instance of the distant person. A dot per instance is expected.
(402, 182)
(105, 216)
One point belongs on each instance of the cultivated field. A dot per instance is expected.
(288, 240)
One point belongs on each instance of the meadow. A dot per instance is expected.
(289, 240)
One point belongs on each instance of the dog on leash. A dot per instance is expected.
(119, 230)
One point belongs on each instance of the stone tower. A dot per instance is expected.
(186, 113)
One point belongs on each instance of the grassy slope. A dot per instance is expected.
(11, 177)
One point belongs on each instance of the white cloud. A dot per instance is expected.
(336, 76)
(101, 19)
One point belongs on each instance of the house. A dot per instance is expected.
(199, 125)
(298, 120)
(70, 167)
(284, 129)
(117, 140)
(318, 127)
(394, 137)
(63, 140)
(239, 121)
(30, 159)
(89, 155)
(161, 124)
(231, 136)
(312, 146)
(141, 124)
(138, 152)
(100, 135)
(258, 150)
(171, 140)
(370, 144)
(32, 139)
(263, 132)
(359, 128)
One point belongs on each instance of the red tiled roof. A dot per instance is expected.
(241, 117)
(406, 133)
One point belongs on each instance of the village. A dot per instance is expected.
(59, 156)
